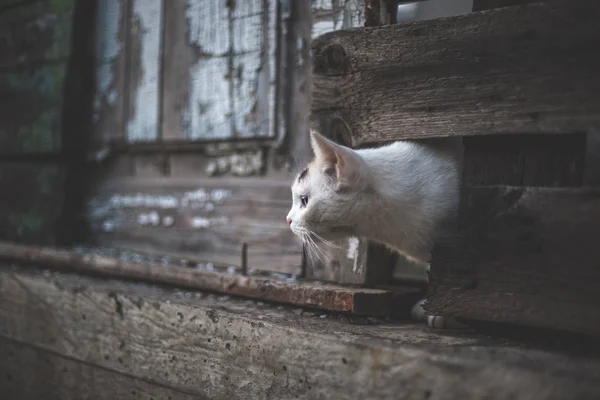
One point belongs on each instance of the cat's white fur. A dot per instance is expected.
(399, 194)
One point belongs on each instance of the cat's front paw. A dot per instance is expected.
(435, 321)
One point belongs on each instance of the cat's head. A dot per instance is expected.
(331, 193)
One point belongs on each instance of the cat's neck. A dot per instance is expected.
(413, 187)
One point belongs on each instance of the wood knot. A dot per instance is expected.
(332, 60)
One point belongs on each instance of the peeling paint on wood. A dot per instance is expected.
(329, 15)
(238, 164)
(218, 76)
(251, 73)
(199, 218)
(145, 64)
(110, 71)
(208, 109)
(210, 75)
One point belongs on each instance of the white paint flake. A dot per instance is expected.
(168, 221)
(207, 114)
(352, 252)
(108, 47)
(151, 218)
(143, 200)
(143, 124)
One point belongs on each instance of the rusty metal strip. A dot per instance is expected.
(360, 301)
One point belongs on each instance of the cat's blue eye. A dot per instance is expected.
(304, 200)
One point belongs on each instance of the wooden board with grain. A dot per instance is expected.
(201, 218)
(215, 348)
(187, 274)
(30, 373)
(217, 70)
(523, 256)
(526, 69)
(144, 70)
(112, 26)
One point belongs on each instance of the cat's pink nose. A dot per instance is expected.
(289, 221)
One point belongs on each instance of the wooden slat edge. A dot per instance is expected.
(326, 297)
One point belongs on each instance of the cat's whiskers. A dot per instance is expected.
(308, 237)
(318, 251)
(326, 242)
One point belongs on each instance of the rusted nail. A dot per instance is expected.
(244, 258)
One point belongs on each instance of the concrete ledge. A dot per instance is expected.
(204, 346)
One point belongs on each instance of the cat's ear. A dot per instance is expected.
(323, 148)
(336, 161)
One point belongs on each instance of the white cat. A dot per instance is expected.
(399, 195)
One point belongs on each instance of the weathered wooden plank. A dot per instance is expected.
(251, 74)
(34, 33)
(144, 70)
(333, 298)
(273, 22)
(218, 79)
(112, 27)
(479, 5)
(524, 256)
(178, 59)
(527, 69)
(226, 349)
(200, 218)
(197, 103)
(30, 202)
(29, 373)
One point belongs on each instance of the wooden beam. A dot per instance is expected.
(526, 69)
(479, 5)
(525, 256)
(215, 348)
(327, 297)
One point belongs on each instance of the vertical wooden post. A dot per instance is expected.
(77, 122)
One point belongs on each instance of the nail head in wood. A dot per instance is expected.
(245, 259)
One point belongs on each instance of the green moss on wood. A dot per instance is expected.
(31, 120)
(31, 202)
(37, 32)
